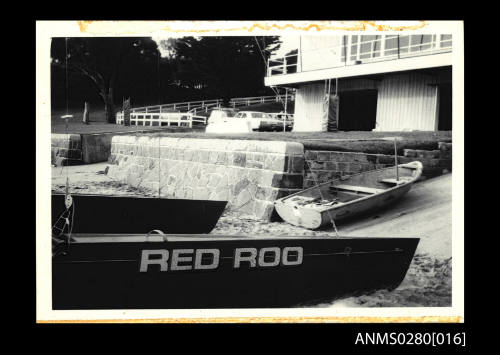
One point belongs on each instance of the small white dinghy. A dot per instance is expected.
(345, 197)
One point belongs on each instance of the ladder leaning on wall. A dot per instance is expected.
(330, 107)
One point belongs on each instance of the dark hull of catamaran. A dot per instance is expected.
(104, 272)
(127, 214)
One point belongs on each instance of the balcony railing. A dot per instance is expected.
(248, 101)
(356, 50)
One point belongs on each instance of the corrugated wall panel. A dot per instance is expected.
(406, 102)
(309, 113)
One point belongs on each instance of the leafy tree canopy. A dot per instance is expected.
(227, 66)
(102, 60)
(197, 68)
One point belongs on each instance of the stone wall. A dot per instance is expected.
(88, 148)
(96, 147)
(322, 166)
(249, 174)
(66, 149)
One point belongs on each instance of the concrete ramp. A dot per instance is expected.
(425, 212)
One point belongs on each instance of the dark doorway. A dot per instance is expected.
(445, 107)
(357, 110)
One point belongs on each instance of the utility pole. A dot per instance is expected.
(158, 75)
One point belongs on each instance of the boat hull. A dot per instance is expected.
(313, 219)
(292, 271)
(372, 194)
(128, 214)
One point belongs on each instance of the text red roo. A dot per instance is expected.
(209, 259)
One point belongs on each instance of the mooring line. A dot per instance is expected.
(159, 162)
(323, 198)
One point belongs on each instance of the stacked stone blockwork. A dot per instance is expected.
(322, 166)
(66, 149)
(249, 174)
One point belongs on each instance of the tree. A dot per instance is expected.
(224, 67)
(101, 60)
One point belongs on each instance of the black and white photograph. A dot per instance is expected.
(246, 169)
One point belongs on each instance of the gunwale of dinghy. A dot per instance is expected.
(315, 215)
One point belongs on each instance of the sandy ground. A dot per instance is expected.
(425, 212)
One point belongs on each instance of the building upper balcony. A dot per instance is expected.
(324, 57)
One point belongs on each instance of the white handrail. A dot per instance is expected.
(195, 106)
(168, 119)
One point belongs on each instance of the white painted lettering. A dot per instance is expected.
(177, 258)
(275, 255)
(199, 256)
(238, 257)
(288, 260)
(209, 259)
(146, 260)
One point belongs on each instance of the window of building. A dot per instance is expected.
(404, 42)
(376, 46)
(354, 47)
(343, 55)
(365, 46)
(391, 45)
(373, 46)
(445, 41)
(420, 43)
(369, 46)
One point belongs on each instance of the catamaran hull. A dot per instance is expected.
(285, 271)
(127, 214)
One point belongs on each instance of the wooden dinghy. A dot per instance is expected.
(341, 198)
(212, 271)
(135, 214)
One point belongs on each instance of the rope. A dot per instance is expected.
(265, 69)
(71, 223)
(67, 222)
(66, 98)
(396, 158)
(260, 50)
(66, 71)
(67, 193)
(67, 110)
(323, 198)
(159, 164)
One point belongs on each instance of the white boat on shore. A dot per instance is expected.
(341, 198)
